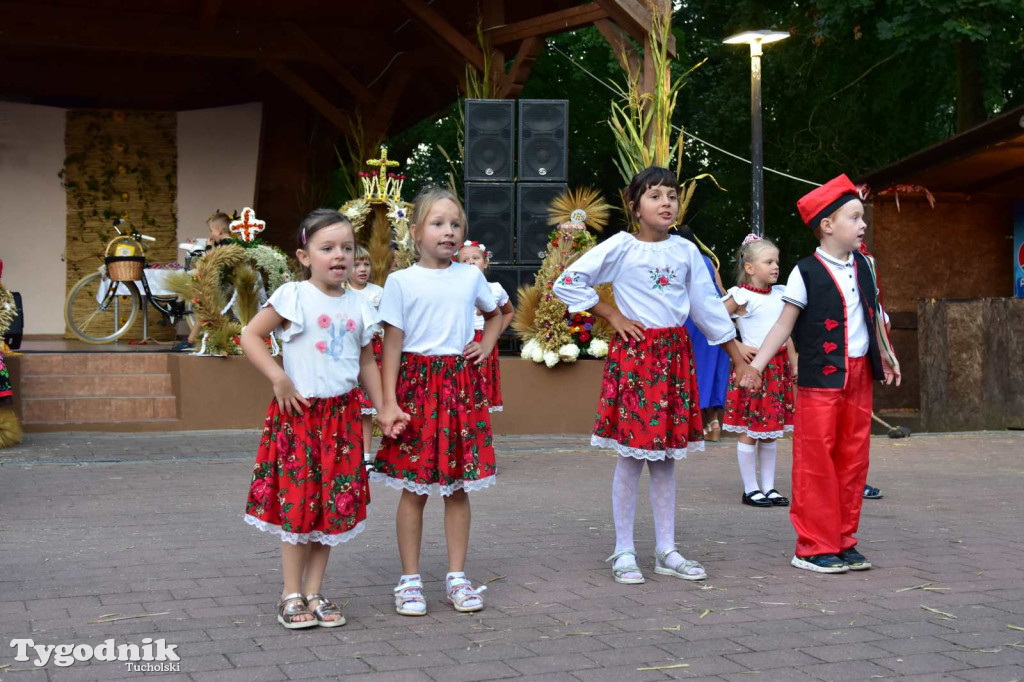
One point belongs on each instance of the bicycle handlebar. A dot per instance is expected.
(147, 238)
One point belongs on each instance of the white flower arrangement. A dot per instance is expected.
(597, 348)
(527, 351)
(550, 358)
(569, 352)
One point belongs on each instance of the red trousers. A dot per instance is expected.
(831, 437)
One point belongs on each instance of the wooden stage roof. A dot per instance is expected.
(401, 59)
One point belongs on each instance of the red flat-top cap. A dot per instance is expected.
(823, 201)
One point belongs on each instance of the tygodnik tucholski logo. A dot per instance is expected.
(151, 656)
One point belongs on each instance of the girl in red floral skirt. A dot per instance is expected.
(649, 409)
(475, 253)
(761, 416)
(359, 281)
(432, 371)
(309, 485)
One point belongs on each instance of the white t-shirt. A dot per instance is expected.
(763, 312)
(322, 344)
(659, 284)
(845, 274)
(500, 295)
(372, 292)
(434, 308)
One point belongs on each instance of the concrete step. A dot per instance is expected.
(95, 385)
(116, 364)
(98, 409)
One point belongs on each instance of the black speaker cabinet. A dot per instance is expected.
(490, 140)
(12, 337)
(533, 225)
(543, 140)
(490, 212)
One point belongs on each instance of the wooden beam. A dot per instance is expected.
(529, 50)
(445, 32)
(337, 71)
(622, 46)
(547, 24)
(384, 112)
(208, 15)
(341, 120)
(635, 18)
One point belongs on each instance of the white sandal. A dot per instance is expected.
(462, 595)
(687, 569)
(620, 573)
(407, 594)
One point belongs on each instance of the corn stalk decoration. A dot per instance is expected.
(641, 122)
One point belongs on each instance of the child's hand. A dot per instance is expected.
(288, 399)
(475, 352)
(748, 352)
(626, 328)
(748, 377)
(890, 371)
(392, 421)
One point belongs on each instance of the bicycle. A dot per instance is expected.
(109, 299)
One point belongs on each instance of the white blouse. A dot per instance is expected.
(434, 308)
(763, 312)
(372, 292)
(659, 284)
(500, 296)
(322, 343)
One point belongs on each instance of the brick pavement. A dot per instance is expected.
(98, 524)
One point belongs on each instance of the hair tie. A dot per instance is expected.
(750, 238)
(303, 236)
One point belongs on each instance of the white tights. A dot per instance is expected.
(663, 501)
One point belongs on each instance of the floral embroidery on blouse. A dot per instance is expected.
(333, 347)
(662, 278)
(567, 279)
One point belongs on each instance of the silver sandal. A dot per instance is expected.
(687, 569)
(290, 606)
(410, 592)
(620, 573)
(324, 609)
(461, 592)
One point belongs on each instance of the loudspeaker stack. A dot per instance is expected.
(507, 211)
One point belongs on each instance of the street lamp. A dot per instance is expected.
(756, 39)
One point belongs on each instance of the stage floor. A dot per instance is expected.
(56, 344)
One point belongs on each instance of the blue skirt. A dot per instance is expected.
(712, 365)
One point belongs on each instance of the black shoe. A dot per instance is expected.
(778, 500)
(821, 563)
(872, 493)
(748, 498)
(182, 347)
(855, 560)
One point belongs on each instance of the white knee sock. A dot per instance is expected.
(766, 462)
(746, 454)
(663, 502)
(624, 485)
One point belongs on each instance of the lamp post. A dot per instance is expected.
(756, 39)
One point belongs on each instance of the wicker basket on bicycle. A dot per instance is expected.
(125, 259)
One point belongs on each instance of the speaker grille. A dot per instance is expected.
(533, 225)
(489, 213)
(543, 140)
(490, 136)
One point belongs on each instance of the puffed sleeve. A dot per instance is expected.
(739, 295)
(575, 286)
(369, 319)
(484, 297)
(706, 309)
(285, 302)
(391, 304)
(500, 295)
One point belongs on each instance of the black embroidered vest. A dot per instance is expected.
(820, 330)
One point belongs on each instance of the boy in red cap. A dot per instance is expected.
(834, 314)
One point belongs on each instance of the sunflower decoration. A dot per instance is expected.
(549, 333)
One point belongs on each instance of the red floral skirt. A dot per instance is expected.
(649, 406)
(447, 445)
(490, 374)
(309, 482)
(768, 413)
(365, 406)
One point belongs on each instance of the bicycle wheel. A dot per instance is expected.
(95, 322)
